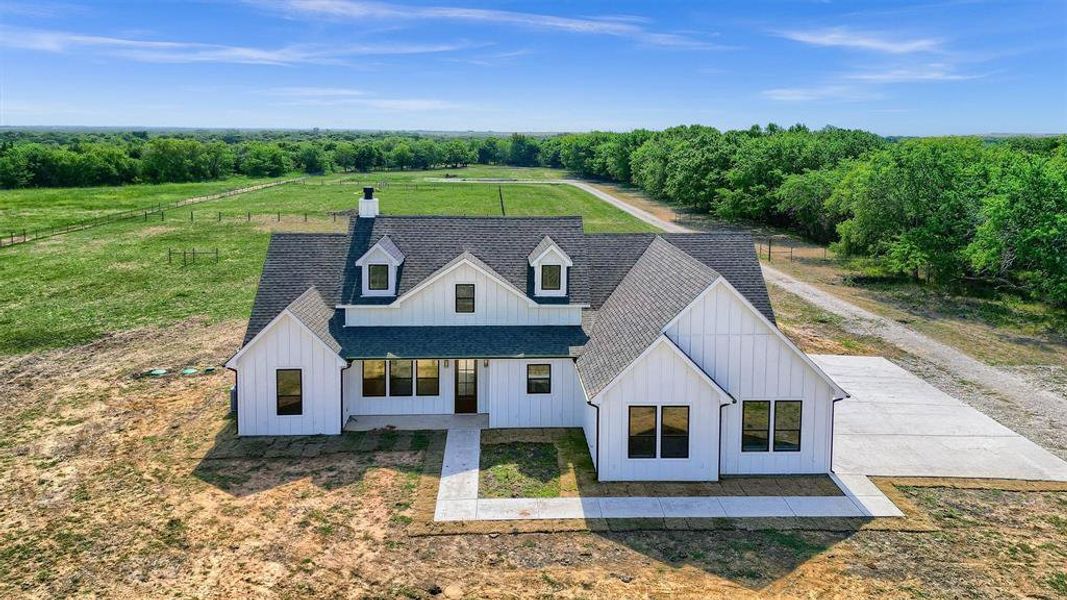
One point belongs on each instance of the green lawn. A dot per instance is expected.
(72, 289)
(51, 207)
(519, 470)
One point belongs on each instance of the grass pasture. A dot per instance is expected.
(72, 289)
(51, 207)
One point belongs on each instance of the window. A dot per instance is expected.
(674, 432)
(400, 378)
(787, 426)
(464, 297)
(551, 275)
(290, 392)
(373, 378)
(642, 438)
(378, 277)
(538, 379)
(427, 378)
(755, 425)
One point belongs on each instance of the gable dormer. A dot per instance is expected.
(379, 268)
(550, 266)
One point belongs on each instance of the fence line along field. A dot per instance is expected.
(36, 208)
(73, 289)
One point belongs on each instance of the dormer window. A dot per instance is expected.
(549, 264)
(550, 277)
(380, 264)
(377, 277)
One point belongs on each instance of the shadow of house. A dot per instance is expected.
(242, 466)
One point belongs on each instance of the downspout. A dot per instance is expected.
(596, 443)
(718, 473)
(344, 419)
(833, 405)
(236, 424)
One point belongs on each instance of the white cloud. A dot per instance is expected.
(932, 72)
(628, 27)
(826, 92)
(327, 96)
(193, 52)
(844, 37)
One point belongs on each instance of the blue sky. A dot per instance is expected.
(890, 67)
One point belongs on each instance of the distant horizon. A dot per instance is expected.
(488, 132)
(902, 69)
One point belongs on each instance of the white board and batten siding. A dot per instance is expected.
(659, 378)
(442, 404)
(494, 304)
(501, 393)
(502, 390)
(287, 344)
(729, 341)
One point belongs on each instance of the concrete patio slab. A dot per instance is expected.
(417, 422)
(896, 424)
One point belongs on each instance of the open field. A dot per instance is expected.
(50, 207)
(71, 290)
(113, 485)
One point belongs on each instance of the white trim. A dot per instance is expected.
(778, 332)
(361, 261)
(685, 358)
(232, 363)
(559, 252)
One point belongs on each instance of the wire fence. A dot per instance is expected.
(789, 249)
(189, 257)
(30, 234)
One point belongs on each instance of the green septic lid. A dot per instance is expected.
(157, 372)
(189, 371)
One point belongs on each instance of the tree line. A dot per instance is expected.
(939, 209)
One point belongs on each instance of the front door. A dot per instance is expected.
(466, 386)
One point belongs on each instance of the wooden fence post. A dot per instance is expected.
(790, 251)
(769, 242)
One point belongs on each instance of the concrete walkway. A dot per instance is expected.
(457, 498)
(896, 424)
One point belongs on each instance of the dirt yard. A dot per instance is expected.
(114, 485)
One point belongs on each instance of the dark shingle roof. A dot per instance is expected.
(296, 262)
(311, 310)
(458, 342)
(662, 282)
(503, 243)
(731, 253)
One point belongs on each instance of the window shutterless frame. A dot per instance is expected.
(373, 378)
(674, 432)
(551, 277)
(401, 378)
(427, 378)
(539, 379)
(755, 425)
(464, 297)
(787, 419)
(289, 391)
(641, 432)
(377, 277)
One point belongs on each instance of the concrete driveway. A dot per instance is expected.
(897, 424)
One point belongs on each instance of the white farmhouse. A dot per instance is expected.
(662, 348)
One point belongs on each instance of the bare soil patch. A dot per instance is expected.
(113, 485)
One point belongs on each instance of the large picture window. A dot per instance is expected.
(464, 297)
(551, 277)
(427, 378)
(674, 432)
(373, 378)
(642, 432)
(378, 277)
(755, 425)
(290, 392)
(400, 378)
(538, 379)
(787, 426)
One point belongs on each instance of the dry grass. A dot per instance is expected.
(118, 486)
